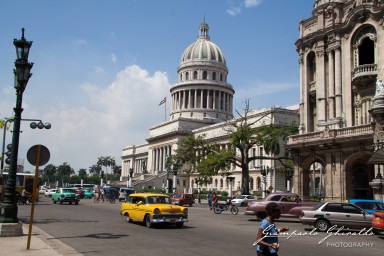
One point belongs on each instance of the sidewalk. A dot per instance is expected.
(41, 244)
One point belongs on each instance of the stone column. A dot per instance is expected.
(331, 85)
(320, 87)
(338, 96)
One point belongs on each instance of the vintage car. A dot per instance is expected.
(183, 199)
(88, 193)
(290, 203)
(328, 214)
(65, 195)
(124, 192)
(378, 223)
(153, 209)
(370, 206)
(242, 200)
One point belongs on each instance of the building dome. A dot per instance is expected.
(203, 50)
(202, 91)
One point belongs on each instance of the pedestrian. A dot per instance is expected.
(267, 236)
(209, 198)
(199, 198)
(214, 199)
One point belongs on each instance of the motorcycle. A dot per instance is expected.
(218, 208)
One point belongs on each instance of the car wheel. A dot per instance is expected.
(70, 202)
(148, 221)
(129, 220)
(322, 225)
(261, 215)
(190, 205)
(179, 224)
(54, 201)
(61, 202)
(77, 202)
(243, 204)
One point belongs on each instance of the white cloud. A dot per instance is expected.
(252, 3)
(233, 11)
(117, 115)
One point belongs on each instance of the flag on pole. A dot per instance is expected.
(163, 101)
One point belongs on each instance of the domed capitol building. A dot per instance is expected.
(201, 103)
(340, 148)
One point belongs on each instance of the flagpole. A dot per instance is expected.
(165, 112)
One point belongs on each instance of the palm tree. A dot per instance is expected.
(106, 161)
(82, 173)
(95, 169)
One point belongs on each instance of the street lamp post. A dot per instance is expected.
(22, 74)
(288, 177)
(264, 172)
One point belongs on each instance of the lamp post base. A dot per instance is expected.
(8, 213)
(11, 229)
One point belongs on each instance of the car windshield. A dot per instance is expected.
(242, 197)
(318, 206)
(67, 190)
(158, 200)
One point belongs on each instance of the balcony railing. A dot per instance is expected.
(364, 70)
(335, 134)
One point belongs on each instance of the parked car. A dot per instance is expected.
(370, 206)
(124, 192)
(242, 200)
(327, 214)
(88, 193)
(378, 223)
(65, 195)
(291, 205)
(183, 199)
(153, 209)
(49, 192)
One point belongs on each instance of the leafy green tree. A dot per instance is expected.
(64, 172)
(116, 169)
(95, 169)
(208, 159)
(82, 173)
(49, 173)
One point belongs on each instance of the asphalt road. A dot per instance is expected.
(99, 229)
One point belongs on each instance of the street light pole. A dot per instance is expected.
(22, 74)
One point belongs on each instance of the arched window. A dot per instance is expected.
(221, 183)
(187, 76)
(216, 182)
(205, 75)
(195, 74)
(214, 76)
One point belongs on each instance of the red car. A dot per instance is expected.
(378, 223)
(183, 199)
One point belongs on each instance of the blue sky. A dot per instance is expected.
(101, 67)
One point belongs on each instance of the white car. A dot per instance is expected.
(242, 200)
(49, 192)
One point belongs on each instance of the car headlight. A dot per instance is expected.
(156, 211)
(185, 211)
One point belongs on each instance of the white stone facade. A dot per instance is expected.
(202, 103)
(340, 56)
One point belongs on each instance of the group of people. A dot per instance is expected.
(212, 199)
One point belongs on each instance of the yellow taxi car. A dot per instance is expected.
(153, 209)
